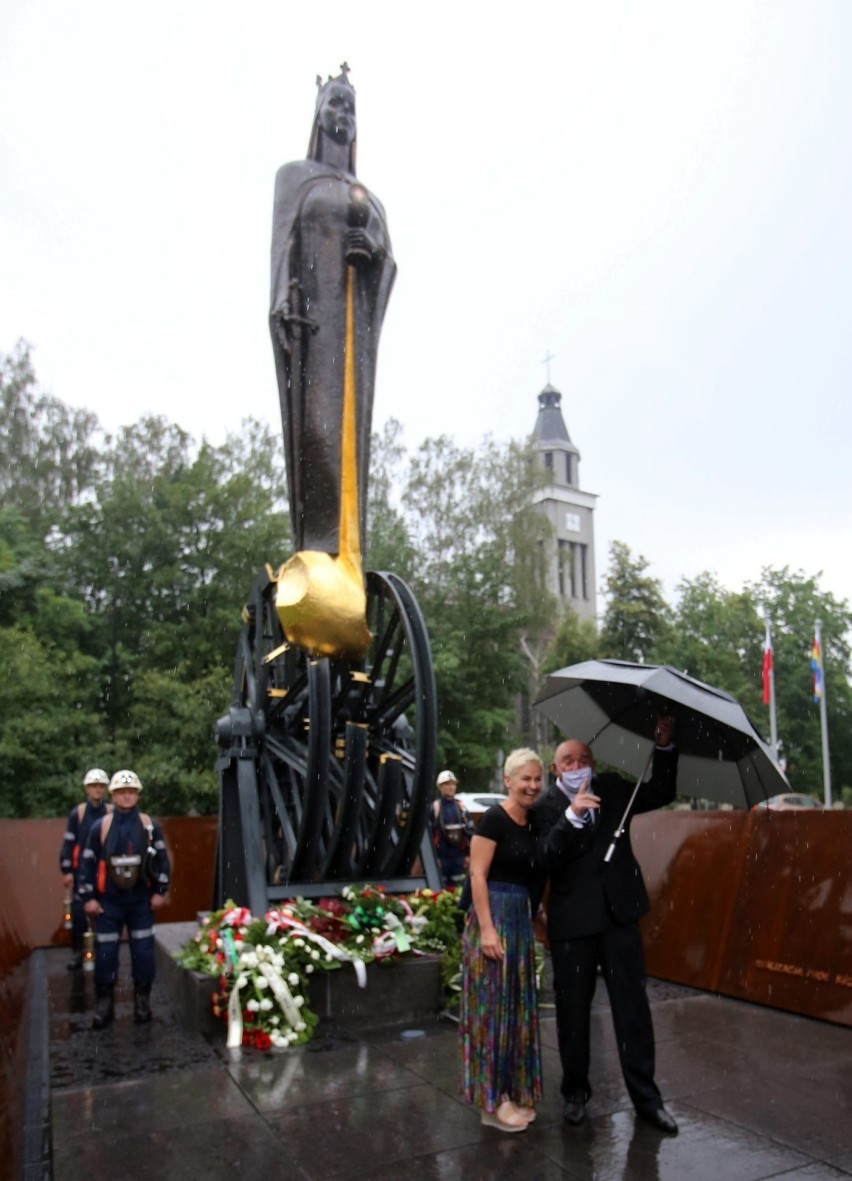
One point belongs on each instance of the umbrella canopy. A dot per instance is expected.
(612, 705)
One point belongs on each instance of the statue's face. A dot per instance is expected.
(337, 113)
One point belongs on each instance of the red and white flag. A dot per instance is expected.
(767, 666)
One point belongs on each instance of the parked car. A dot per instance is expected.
(791, 802)
(476, 803)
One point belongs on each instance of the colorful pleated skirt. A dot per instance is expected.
(500, 1055)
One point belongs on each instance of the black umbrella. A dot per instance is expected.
(612, 705)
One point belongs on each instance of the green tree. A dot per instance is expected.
(637, 618)
(49, 702)
(717, 636)
(388, 544)
(24, 564)
(170, 738)
(479, 580)
(164, 557)
(575, 640)
(50, 683)
(48, 452)
(795, 602)
(124, 565)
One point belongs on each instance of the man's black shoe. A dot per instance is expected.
(660, 1119)
(574, 1111)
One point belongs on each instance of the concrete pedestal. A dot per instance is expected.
(397, 992)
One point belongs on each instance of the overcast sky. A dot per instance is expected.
(657, 193)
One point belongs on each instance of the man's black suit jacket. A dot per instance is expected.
(587, 893)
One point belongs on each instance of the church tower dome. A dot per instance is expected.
(571, 571)
(552, 440)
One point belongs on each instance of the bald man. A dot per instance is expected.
(593, 916)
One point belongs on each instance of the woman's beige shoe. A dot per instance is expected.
(510, 1121)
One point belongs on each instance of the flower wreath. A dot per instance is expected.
(263, 965)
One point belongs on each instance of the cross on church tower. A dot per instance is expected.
(548, 357)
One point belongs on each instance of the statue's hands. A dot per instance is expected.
(286, 319)
(361, 248)
(280, 321)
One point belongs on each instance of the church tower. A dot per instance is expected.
(571, 574)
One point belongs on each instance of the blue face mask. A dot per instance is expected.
(572, 781)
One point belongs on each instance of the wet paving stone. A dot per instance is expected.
(83, 1057)
(759, 1095)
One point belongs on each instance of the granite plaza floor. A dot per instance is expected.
(758, 1094)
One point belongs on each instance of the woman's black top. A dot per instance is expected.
(514, 858)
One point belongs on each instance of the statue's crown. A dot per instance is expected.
(342, 79)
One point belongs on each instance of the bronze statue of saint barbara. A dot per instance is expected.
(332, 272)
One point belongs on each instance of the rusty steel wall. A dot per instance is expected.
(754, 905)
(31, 910)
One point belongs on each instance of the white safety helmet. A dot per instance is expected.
(446, 777)
(96, 775)
(125, 779)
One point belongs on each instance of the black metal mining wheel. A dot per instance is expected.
(327, 766)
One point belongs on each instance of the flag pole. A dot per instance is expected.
(769, 689)
(818, 665)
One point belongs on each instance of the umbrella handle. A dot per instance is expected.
(622, 827)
